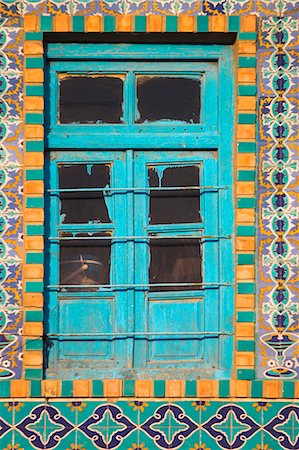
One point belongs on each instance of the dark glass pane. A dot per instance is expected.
(168, 98)
(174, 206)
(85, 261)
(91, 99)
(84, 207)
(175, 261)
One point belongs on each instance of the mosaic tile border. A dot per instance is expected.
(246, 165)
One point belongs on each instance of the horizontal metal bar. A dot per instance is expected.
(137, 189)
(141, 334)
(111, 286)
(127, 238)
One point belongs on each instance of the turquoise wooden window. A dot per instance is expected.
(140, 211)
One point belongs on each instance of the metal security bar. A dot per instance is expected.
(124, 238)
(144, 334)
(137, 189)
(131, 286)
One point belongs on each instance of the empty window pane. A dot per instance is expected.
(84, 206)
(168, 98)
(175, 261)
(85, 261)
(91, 99)
(177, 205)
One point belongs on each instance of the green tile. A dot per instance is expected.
(190, 388)
(247, 36)
(288, 389)
(34, 258)
(245, 288)
(202, 23)
(46, 23)
(66, 388)
(246, 147)
(34, 174)
(246, 259)
(78, 23)
(246, 62)
(4, 388)
(247, 118)
(245, 374)
(247, 90)
(246, 175)
(245, 316)
(234, 23)
(33, 344)
(34, 202)
(33, 374)
(33, 36)
(224, 388)
(171, 24)
(246, 202)
(35, 388)
(159, 388)
(34, 230)
(140, 24)
(34, 119)
(245, 230)
(34, 316)
(128, 388)
(34, 146)
(244, 345)
(34, 62)
(97, 388)
(34, 91)
(256, 389)
(34, 286)
(109, 24)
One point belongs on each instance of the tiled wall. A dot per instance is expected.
(246, 413)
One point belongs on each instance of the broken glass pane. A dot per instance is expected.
(168, 98)
(175, 261)
(174, 206)
(86, 261)
(85, 206)
(91, 99)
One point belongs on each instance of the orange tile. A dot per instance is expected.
(246, 75)
(34, 187)
(33, 358)
(245, 359)
(34, 132)
(246, 47)
(33, 75)
(144, 388)
(33, 48)
(81, 388)
(125, 23)
(34, 103)
(240, 388)
(245, 243)
(245, 272)
(33, 300)
(272, 389)
(207, 388)
(62, 23)
(34, 215)
(245, 215)
(112, 388)
(296, 393)
(33, 159)
(247, 104)
(19, 388)
(34, 271)
(245, 188)
(246, 131)
(248, 23)
(246, 301)
(218, 23)
(51, 388)
(186, 23)
(31, 22)
(155, 23)
(33, 329)
(246, 160)
(92, 24)
(174, 388)
(34, 243)
(244, 329)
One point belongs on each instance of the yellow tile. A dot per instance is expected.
(33, 329)
(248, 23)
(93, 24)
(31, 22)
(245, 329)
(218, 23)
(247, 104)
(207, 388)
(245, 272)
(33, 159)
(34, 243)
(272, 389)
(174, 388)
(62, 23)
(125, 23)
(34, 103)
(245, 215)
(155, 23)
(33, 48)
(245, 188)
(246, 75)
(246, 301)
(34, 215)
(34, 271)
(244, 359)
(246, 160)
(81, 388)
(34, 132)
(143, 388)
(19, 388)
(33, 300)
(34, 187)
(245, 243)
(112, 388)
(51, 388)
(34, 75)
(33, 358)
(246, 131)
(240, 388)
(246, 47)
(186, 23)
